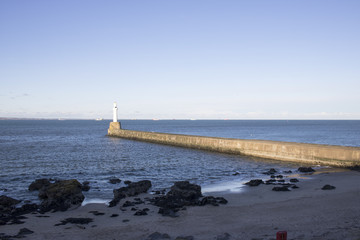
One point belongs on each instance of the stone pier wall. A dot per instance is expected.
(284, 151)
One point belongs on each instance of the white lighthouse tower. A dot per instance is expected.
(115, 114)
(114, 125)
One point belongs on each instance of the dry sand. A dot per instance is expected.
(256, 213)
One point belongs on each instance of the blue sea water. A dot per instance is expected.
(80, 149)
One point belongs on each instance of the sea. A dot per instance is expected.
(80, 149)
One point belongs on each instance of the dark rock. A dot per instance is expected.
(134, 209)
(215, 201)
(7, 203)
(181, 194)
(288, 172)
(96, 213)
(355, 168)
(281, 189)
(39, 184)
(328, 187)
(114, 215)
(61, 195)
(168, 212)
(272, 176)
(221, 200)
(294, 186)
(270, 181)
(158, 236)
(236, 173)
(279, 176)
(128, 204)
(75, 221)
(85, 186)
(294, 180)
(24, 231)
(224, 236)
(141, 212)
(306, 169)
(270, 172)
(25, 209)
(185, 190)
(184, 238)
(127, 182)
(254, 182)
(281, 180)
(131, 190)
(114, 180)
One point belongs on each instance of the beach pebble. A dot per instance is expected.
(293, 180)
(328, 187)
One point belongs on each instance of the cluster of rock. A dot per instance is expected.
(133, 189)
(280, 181)
(184, 194)
(181, 194)
(58, 196)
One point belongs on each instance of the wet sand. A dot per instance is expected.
(256, 213)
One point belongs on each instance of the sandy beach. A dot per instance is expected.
(307, 212)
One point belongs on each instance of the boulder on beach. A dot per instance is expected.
(114, 180)
(254, 182)
(61, 195)
(185, 190)
(131, 190)
(306, 169)
(39, 184)
(183, 194)
(7, 205)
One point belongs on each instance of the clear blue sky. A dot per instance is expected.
(203, 59)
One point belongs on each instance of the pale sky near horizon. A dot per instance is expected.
(180, 59)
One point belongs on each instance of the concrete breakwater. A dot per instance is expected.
(329, 155)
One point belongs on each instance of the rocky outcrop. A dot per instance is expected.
(39, 184)
(254, 182)
(131, 190)
(183, 194)
(61, 195)
(306, 169)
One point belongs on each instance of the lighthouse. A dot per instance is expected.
(115, 114)
(114, 125)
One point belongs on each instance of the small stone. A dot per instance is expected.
(127, 182)
(293, 180)
(114, 215)
(126, 220)
(328, 187)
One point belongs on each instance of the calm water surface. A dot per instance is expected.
(80, 149)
